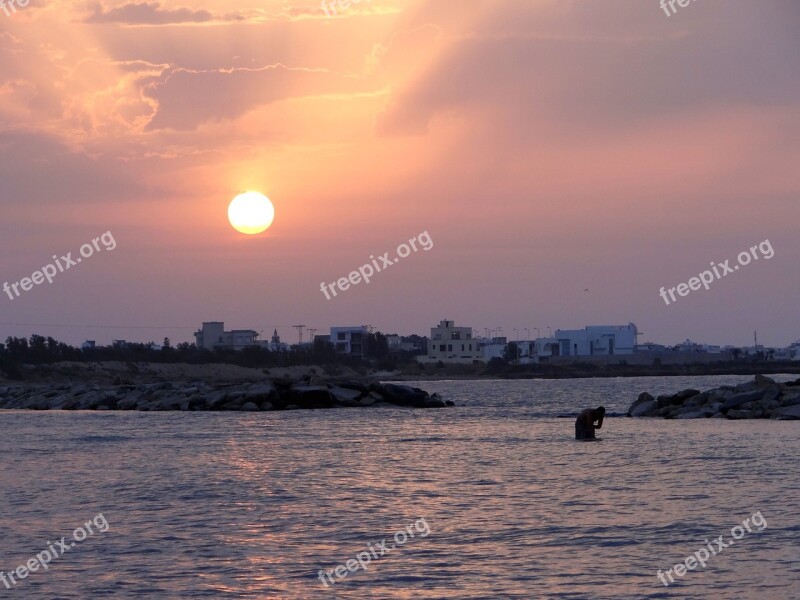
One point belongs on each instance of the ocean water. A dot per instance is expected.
(503, 503)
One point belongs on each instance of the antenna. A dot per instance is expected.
(299, 333)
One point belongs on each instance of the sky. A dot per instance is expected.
(566, 158)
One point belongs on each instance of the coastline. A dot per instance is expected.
(109, 372)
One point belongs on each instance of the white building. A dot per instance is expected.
(396, 344)
(349, 340)
(451, 344)
(790, 353)
(493, 350)
(213, 335)
(597, 340)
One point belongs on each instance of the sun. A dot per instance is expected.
(251, 213)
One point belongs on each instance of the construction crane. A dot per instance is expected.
(299, 333)
(313, 332)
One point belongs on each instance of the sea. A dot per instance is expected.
(492, 498)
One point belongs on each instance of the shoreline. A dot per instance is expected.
(117, 372)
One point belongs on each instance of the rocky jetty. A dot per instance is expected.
(762, 398)
(276, 394)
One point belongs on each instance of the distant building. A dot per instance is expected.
(398, 343)
(393, 343)
(451, 344)
(349, 340)
(410, 345)
(597, 340)
(545, 348)
(650, 347)
(88, 345)
(490, 348)
(275, 344)
(213, 335)
(690, 346)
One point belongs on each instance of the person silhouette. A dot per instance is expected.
(589, 420)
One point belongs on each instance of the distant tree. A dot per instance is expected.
(167, 344)
(496, 364)
(376, 346)
(510, 354)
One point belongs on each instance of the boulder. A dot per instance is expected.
(435, 402)
(260, 392)
(58, 402)
(684, 395)
(690, 414)
(644, 405)
(345, 394)
(164, 403)
(790, 413)
(772, 393)
(739, 414)
(250, 407)
(130, 401)
(763, 380)
(216, 400)
(790, 399)
(38, 402)
(403, 395)
(739, 399)
(197, 402)
(309, 396)
(662, 401)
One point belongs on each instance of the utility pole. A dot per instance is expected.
(299, 333)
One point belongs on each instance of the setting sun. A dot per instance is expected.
(251, 213)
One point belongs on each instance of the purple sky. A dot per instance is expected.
(547, 147)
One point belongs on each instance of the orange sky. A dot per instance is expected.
(547, 146)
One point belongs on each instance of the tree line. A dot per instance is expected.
(39, 350)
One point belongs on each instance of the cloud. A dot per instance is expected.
(189, 98)
(601, 78)
(144, 13)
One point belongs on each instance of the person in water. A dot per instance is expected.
(589, 420)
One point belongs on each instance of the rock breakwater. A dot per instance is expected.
(762, 398)
(277, 394)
